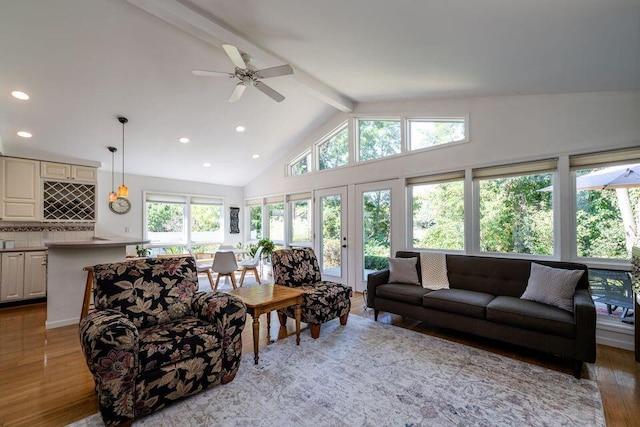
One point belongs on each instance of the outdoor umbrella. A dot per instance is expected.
(624, 176)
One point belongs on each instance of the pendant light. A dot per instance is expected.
(123, 190)
(113, 196)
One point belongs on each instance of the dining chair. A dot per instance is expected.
(203, 267)
(225, 247)
(225, 264)
(251, 265)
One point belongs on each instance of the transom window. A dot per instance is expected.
(425, 133)
(334, 151)
(301, 164)
(378, 139)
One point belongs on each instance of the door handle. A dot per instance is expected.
(344, 246)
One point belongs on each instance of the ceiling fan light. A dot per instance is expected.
(123, 191)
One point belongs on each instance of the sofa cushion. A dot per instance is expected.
(401, 292)
(403, 270)
(460, 301)
(531, 315)
(174, 341)
(553, 286)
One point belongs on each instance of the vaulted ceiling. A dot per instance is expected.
(84, 62)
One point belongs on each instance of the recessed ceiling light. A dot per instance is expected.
(206, 164)
(184, 140)
(255, 156)
(240, 128)
(20, 95)
(24, 134)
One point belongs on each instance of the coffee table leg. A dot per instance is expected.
(256, 337)
(298, 313)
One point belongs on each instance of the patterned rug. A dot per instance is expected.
(372, 374)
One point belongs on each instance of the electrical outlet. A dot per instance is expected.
(126, 229)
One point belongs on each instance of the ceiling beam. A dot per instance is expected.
(216, 34)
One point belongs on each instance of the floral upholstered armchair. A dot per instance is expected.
(322, 300)
(154, 339)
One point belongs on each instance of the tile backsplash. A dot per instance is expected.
(34, 236)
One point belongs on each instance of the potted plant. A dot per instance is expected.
(142, 251)
(267, 248)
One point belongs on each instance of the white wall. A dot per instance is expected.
(110, 224)
(502, 129)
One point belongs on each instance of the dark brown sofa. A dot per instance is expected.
(484, 299)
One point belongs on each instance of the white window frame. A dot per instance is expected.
(410, 120)
(248, 204)
(291, 199)
(187, 243)
(513, 170)
(356, 136)
(343, 126)
(306, 153)
(266, 219)
(454, 176)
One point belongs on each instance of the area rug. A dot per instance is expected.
(371, 374)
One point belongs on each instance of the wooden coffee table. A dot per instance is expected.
(264, 299)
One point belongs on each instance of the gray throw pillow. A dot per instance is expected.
(552, 286)
(403, 270)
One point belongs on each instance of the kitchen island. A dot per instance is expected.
(66, 278)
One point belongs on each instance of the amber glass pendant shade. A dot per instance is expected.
(123, 191)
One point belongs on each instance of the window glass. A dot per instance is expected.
(206, 223)
(301, 221)
(301, 166)
(255, 222)
(334, 151)
(428, 133)
(376, 230)
(438, 216)
(165, 222)
(607, 211)
(276, 222)
(516, 214)
(378, 138)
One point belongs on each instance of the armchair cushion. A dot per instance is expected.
(295, 267)
(175, 341)
(322, 302)
(149, 291)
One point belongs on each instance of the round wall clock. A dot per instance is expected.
(120, 206)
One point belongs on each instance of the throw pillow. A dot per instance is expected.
(403, 270)
(552, 286)
(434, 270)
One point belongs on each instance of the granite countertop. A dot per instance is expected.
(97, 242)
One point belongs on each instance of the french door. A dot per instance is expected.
(378, 227)
(331, 233)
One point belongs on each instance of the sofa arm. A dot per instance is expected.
(585, 318)
(228, 313)
(373, 280)
(110, 344)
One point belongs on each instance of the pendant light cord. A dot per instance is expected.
(113, 167)
(123, 153)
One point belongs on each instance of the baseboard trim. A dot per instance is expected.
(61, 323)
(611, 338)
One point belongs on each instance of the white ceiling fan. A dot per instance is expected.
(248, 75)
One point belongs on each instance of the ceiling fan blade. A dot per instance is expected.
(281, 70)
(237, 92)
(234, 55)
(206, 73)
(276, 96)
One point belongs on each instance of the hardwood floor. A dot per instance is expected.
(44, 379)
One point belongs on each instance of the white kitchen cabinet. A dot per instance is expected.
(20, 189)
(52, 170)
(24, 275)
